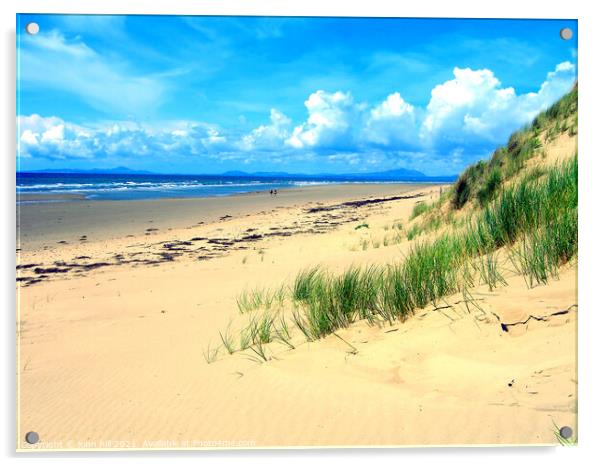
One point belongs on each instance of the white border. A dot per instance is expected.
(590, 122)
(375, 8)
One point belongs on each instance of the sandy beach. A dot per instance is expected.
(114, 325)
(48, 223)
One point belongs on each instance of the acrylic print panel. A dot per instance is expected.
(253, 232)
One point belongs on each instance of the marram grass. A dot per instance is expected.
(537, 215)
(260, 298)
(535, 219)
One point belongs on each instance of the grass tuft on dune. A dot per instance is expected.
(536, 218)
(527, 215)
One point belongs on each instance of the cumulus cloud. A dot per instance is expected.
(52, 138)
(268, 136)
(475, 108)
(392, 122)
(465, 118)
(331, 122)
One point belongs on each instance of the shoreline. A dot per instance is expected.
(48, 224)
(64, 196)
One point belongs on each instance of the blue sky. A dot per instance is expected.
(208, 94)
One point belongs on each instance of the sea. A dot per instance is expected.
(153, 186)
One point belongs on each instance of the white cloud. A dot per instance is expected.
(331, 121)
(466, 117)
(268, 136)
(393, 107)
(179, 133)
(469, 93)
(556, 84)
(29, 137)
(56, 134)
(392, 122)
(474, 107)
(53, 138)
(213, 136)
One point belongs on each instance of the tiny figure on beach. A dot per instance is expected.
(275, 192)
(271, 192)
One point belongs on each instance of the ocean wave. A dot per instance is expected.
(314, 183)
(132, 185)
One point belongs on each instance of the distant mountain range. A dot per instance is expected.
(399, 174)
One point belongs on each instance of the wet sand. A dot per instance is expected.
(48, 223)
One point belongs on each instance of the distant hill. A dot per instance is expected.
(400, 174)
(260, 174)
